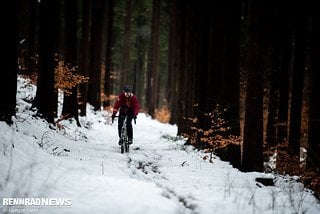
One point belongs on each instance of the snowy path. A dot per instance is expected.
(160, 175)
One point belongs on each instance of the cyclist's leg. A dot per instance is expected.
(129, 128)
(120, 124)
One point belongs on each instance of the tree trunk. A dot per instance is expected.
(153, 78)
(9, 74)
(125, 76)
(286, 27)
(273, 73)
(252, 157)
(84, 55)
(94, 92)
(108, 81)
(231, 72)
(70, 102)
(297, 81)
(313, 151)
(46, 95)
(282, 134)
(139, 67)
(182, 67)
(32, 36)
(173, 57)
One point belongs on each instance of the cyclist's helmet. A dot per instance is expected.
(127, 88)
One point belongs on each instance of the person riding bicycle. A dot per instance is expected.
(127, 104)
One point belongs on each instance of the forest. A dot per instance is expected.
(237, 77)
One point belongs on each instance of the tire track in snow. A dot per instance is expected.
(148, 168)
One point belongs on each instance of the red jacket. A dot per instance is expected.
(127, 105)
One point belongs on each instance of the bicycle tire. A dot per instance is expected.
(124, 148)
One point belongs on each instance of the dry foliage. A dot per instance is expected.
(215, 136)
(163, 114)
(66, 77)
(294, 165)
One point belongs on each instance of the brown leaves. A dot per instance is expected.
(66, 77)
(214, 136)
(163, 114)
(294, 165)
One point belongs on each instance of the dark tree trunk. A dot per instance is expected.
(108, 82)
(217, 42)
(285, 42)
(313, 154)
(46, 96)
(84, 55)
(201, 73)
(193, 44)
(231, 72)
(182, 67)
(173, 57)
(125, 72)
(139, 68)
(273, 72)
(281, 41)
(297, 81)
(70, 101)
(283, 103)
(271, 134)
(252, 157)
(153, 76)
(96, 54)
(9, 73)
(33, 30)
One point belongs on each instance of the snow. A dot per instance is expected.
(159, 175)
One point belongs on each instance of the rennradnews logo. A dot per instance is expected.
(66, 202)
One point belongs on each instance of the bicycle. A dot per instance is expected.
(124, 137)
(124, 147)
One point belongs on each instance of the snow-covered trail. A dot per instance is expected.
(156, 165)
(143, 186)
(159, 176)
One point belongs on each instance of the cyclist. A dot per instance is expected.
(127, 104)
